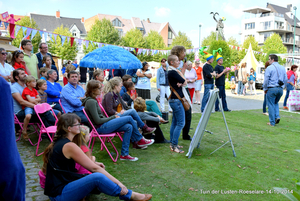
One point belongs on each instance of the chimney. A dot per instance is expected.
(148, 20)
(58, 14)
(82, 20)
(289, 7)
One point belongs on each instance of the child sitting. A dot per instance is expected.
(17, 61)
(30, 94)
(43, 72)
(41, 87)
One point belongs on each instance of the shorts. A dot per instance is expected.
(198, 85)
(28, 110)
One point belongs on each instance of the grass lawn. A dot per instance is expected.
(266, 158)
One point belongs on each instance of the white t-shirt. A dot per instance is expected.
(6, 70)
(143, 82)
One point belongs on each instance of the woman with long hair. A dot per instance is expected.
(242, 78)
(143, 85)
(114, 104)
(114, 123)
(62, 182)
(252, 78)
(17, 61)
(291, 83)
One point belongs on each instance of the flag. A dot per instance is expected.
(33, 33)
(63, 38)
(72, 41)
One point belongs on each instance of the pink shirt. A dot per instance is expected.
(190, 75)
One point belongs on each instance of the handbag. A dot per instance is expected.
(251, 82)
(184, 102)
(244, 81)
(119, 108)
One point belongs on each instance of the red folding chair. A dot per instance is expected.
(103, 110)
(39, 109)
(34, 125)
(61, 106)
(102, 137)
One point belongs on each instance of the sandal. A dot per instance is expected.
(270, 124)
(176, 149)
(180, 147)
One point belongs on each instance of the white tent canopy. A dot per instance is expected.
(250, 60)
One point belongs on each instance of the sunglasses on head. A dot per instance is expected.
(4, 53)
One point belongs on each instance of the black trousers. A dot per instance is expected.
(188, 119)
(159, 136)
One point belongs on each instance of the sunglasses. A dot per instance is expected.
(163, 62)
(4, 53)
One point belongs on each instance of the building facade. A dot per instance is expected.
(263, 22)
(145, 26)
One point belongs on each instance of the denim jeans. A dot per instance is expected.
(222, 95)
(207, 88)
(178, 120)
(126, 124)
(82, 117)
(289, 87)
(265, 104)
(240, 87)
(80, 188)
(273, 97)
(134, 115)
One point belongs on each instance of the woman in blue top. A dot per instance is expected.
(252, 79)
(291, 75)
(53, 90)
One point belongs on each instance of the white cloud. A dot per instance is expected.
(234, 11)
(162, 12)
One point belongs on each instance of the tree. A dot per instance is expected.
(182, 40)
(266, 58)
(65, 52)
(232, 41)
(235, 59)
(255, 47)
(27, 22)
(274, 43)
(226, 52)
(133, 38)
(154, 40)
(210, 38)
(102, 31)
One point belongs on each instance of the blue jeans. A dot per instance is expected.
(80, 188)
(265, 104)
(178, 120)
(222, 95)
(126, 124)
(273, 97)
(289, 87)
(240, 87)
(82, 117)
(207, 88)
(134, 115)
(28, 110)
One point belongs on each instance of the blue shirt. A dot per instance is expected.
(53, 92)
(272, 77)
(70, 98)
(43, 78)
(123, 91)
(253, 77)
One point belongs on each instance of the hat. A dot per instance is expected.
(197, 61)
(218, 51)
(206, 55)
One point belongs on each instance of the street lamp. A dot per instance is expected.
(295, 8)
(200, 35)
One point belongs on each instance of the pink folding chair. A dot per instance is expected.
(102, 137)
(61, 106)
(34, 125)
(39, 109)
(103, 110)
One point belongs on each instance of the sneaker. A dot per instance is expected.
(144, 142)
(285, 107)
(135, 146)
(267, 114)
(128, 158)
(147, 130)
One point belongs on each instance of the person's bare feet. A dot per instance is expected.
(140, 197)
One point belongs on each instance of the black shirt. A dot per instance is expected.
(175, 78)
(166, 78)
(207, 70)
(221, 80)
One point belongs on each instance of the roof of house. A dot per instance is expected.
(284, 11)
(50, 23)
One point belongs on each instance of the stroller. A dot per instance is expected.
(232, 85)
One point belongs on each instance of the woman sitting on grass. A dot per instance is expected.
(115, 123)
(61, 156)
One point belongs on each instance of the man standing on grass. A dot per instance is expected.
(220, 83)
(274, 82)
(30, 58)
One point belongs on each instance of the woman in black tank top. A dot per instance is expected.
(59, 160)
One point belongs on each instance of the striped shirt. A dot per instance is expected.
(43, 97)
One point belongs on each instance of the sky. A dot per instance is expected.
(184, 16)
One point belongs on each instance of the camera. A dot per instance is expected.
(280, 83)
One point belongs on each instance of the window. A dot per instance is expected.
(141, 29)
(250, 26)
(266, 35)
(74, 33)
(266, 25)
(117, 23)
(170, 34)
(120, 32)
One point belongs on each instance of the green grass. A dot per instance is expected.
(266, 158)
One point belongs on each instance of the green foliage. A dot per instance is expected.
(210, 38)
(182, 40)
(280, 60)
(274, 42)
(102, 31)
(226, 52)
(235, 58)
(255, 47)
(27, 22)
(154, 40)
(232, 41)
(133, 38)
(65, 52)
